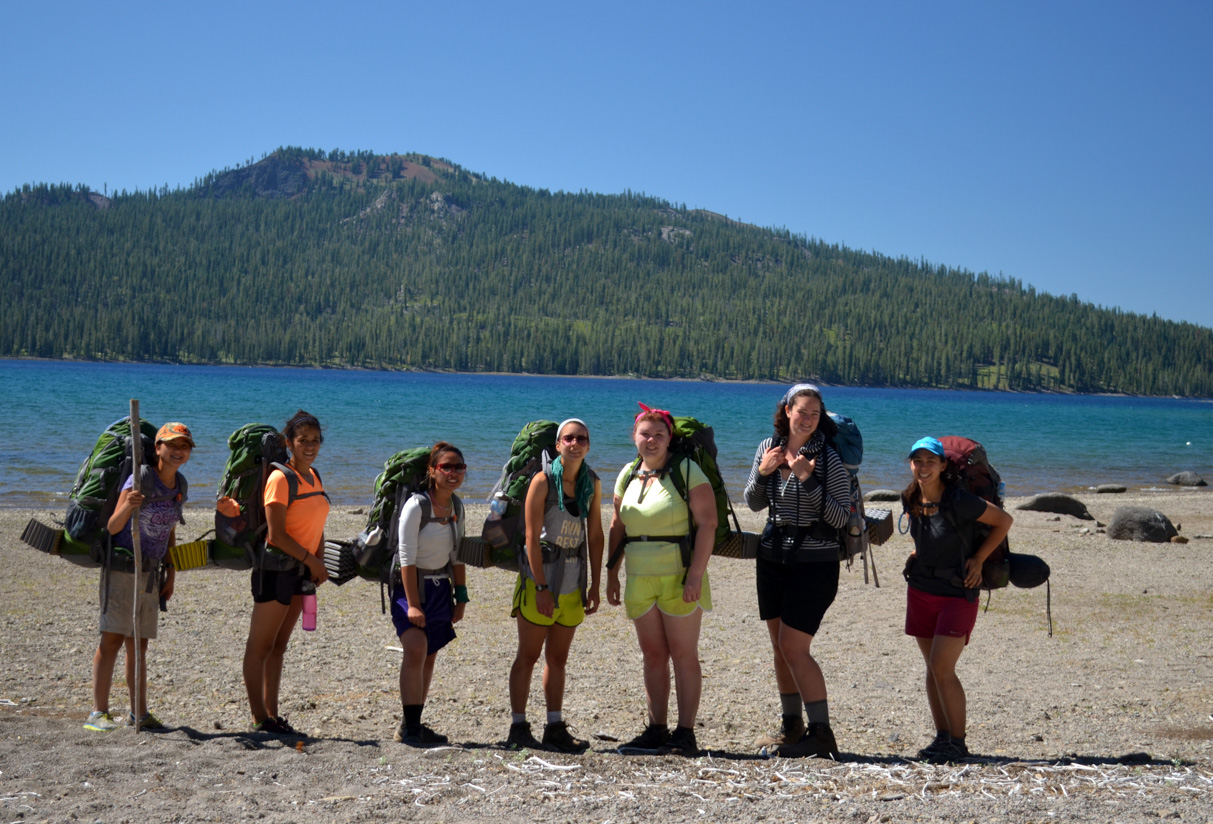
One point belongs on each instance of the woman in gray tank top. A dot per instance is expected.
(564, 541)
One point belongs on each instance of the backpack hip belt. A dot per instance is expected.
(447, 572)
(275, 560)
(819, 531)
(684, 541)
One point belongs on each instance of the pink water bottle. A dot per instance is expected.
(309, 611)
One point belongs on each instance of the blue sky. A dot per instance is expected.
(1066, 144)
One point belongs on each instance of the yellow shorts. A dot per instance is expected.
(569, 611)
(641, 592)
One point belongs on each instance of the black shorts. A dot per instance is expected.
(796, 594)
(271, 585)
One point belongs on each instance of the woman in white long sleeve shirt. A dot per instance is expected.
(430, 595)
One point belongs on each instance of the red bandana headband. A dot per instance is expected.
(665, 416)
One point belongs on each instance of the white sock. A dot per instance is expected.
(517, 717)
(555, 717)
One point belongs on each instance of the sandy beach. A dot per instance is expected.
(1108, 720)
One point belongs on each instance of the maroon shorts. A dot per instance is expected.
(929, 615)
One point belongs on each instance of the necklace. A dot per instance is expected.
(445, 514)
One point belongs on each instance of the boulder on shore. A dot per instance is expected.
(882, 495)
(1105, 489)
(1186, 479)
(1057, 502)
(1140, 523)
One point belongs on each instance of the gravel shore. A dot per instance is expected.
(1108, 720)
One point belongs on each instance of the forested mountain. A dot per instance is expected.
(404, 261)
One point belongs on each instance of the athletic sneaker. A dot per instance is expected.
(557, 737)
(148, 722)
(418, 736)
(791, 731)
(928, 752)
(100, 722)
(520, 737)
(654, 736)
(680, 742)
(285, 726)
(817, 742)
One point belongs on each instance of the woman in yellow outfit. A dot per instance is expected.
(665, 599)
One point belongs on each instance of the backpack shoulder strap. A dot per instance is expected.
(427, 508)
(633, 468)
(292, 481)
(947, 508)
(681, 480)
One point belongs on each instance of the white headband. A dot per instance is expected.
(796, 390)
(565, 423)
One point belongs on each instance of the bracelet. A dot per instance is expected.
(542, 587)
(461, 594)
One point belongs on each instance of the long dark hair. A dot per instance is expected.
(911, 496)
(825, 424)
(436, 451)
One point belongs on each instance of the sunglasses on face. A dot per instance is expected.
(453, 468)
(572, 439)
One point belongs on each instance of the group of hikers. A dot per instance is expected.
(662, 526)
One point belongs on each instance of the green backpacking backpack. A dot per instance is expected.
(696, 441)
(374, 550)
(533, 451)
(254, 450)
(95, 492)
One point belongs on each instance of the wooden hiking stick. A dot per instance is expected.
(137, 461)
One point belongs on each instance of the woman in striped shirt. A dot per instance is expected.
(801, 481)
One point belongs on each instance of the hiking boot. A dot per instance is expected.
(792, 730)
(950, 752)
(520, 737)
(285, 726)
(557, 737)
(148, 722)
(654, 736)
(817, 742)
(680, 742)
(100, 721)
(418, 736)
(941, 740)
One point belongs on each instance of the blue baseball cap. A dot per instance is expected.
(929, 444)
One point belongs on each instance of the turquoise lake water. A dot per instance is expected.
(52, 412)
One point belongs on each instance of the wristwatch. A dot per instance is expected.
(542, 587)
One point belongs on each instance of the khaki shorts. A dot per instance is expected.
(117, 616)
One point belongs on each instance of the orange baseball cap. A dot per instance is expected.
(174, 431)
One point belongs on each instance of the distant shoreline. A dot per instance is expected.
(704, 379)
